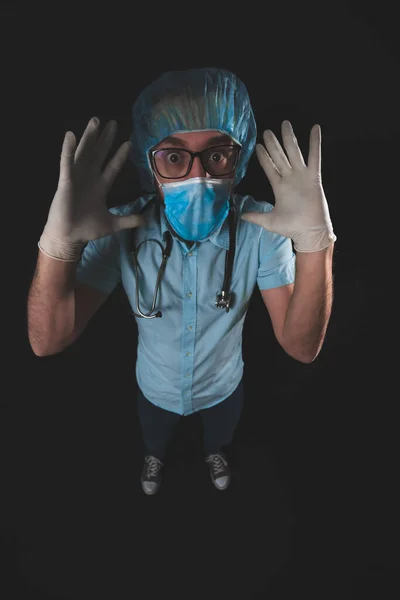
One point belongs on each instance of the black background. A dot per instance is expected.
(312, 509)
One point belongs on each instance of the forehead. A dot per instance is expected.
(195, 139)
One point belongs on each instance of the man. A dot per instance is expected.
(188, 247)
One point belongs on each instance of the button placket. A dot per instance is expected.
(189, 320)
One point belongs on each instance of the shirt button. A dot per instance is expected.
(189, 294)
(187, 374)
(190, 253)
(190, 328)
(187, 353)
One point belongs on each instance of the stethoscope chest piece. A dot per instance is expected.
(223, 300)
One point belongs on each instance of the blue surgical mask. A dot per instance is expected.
(196, 207)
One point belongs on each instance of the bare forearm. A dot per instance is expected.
(310, 306)
(51, 306)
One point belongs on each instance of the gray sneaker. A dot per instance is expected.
(151, 475)
(219, 470)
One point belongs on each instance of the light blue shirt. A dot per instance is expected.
(191, 357)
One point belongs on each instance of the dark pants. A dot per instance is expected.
(219, 424)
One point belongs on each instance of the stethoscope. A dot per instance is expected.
(224, 298)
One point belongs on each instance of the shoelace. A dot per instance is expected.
(154, 465)
(218, 463)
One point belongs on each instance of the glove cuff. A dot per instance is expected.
(65, 251)
(315, 241)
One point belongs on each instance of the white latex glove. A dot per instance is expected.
(301, 210)
(79, 212)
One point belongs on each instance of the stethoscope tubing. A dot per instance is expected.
(223, 299)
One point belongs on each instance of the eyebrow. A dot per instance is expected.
(174, 141)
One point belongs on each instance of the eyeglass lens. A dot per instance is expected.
(174, 163)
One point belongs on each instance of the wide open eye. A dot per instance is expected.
(217, 157)
(173, 157)
(221, 159)
(171, 162)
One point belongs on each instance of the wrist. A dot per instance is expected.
(60, 250)
(314, 240)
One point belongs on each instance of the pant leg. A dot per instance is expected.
(220, 421)
(157, 424)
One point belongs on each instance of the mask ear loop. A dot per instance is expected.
(151, 165)
(159, 185)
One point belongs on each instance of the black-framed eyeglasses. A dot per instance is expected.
(175, 163)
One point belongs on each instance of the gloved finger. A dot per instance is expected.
(104, 143)
(115, 164)
(268, 165)
(67, 156)
(314, 154)
(276, 152)
(88, 140)
(258, 218)
(127, 222)
(291, 146)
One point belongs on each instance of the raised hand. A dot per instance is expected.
(301, 209)
(79, 212)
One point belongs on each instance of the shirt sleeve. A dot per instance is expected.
(277, 261)
(99, 265)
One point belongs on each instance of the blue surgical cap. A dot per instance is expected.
(199, 99)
